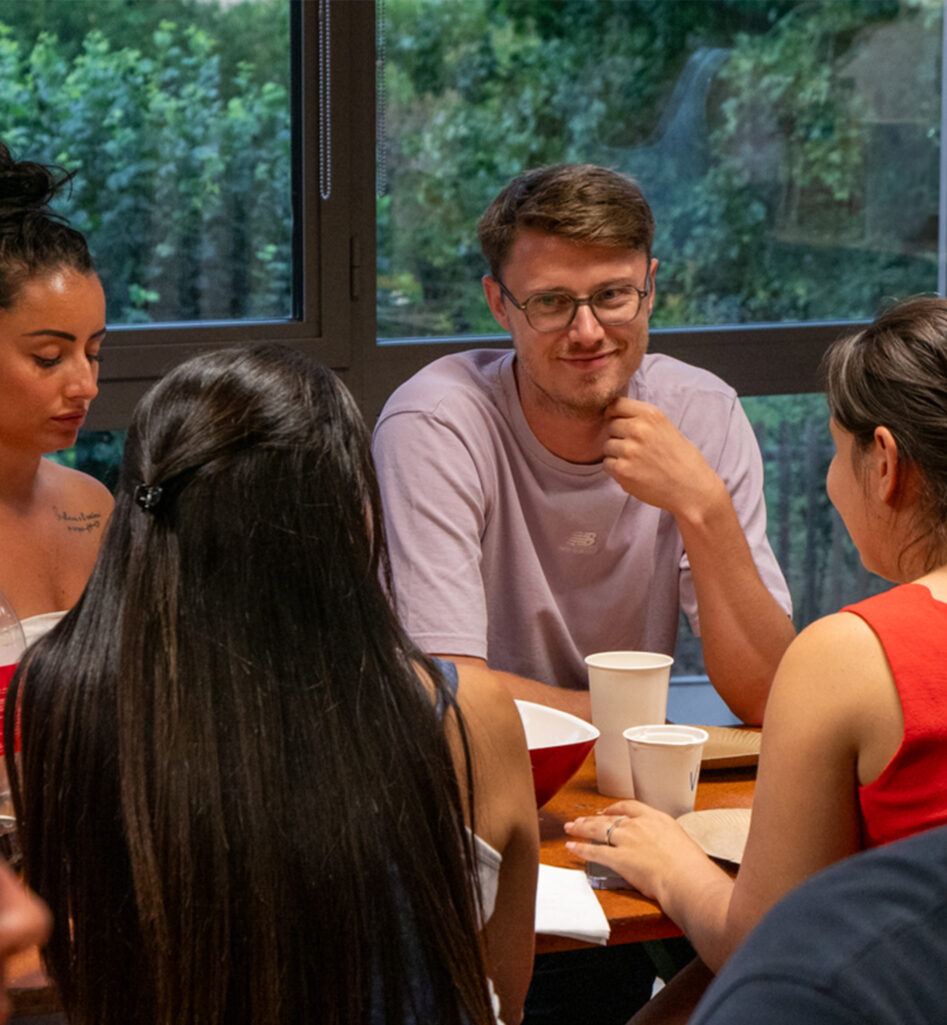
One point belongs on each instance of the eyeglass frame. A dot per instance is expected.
(577, 301)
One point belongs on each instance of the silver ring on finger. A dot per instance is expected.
(608, 832)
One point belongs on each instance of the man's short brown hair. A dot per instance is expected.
(582, 202)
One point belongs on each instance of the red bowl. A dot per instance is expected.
(558, 743)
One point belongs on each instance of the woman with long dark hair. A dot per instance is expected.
(52, 323)
(246, 795)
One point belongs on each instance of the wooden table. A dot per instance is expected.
(632, 918)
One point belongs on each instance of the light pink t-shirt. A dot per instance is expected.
(503, 551)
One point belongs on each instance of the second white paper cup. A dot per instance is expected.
(627, 688)
(665, 765)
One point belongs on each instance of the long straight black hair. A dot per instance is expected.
(237, 795)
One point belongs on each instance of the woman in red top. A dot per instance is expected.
(855, 736)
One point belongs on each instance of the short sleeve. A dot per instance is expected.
(434, 515)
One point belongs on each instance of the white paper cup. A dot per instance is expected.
(627, 688)
(665, 765)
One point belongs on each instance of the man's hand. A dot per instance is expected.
(743, 630)
(651, 460)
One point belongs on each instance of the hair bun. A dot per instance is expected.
(25, 184)
(34, 238)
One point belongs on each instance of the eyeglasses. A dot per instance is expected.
(555, 311)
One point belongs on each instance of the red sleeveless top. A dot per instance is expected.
(910, 795)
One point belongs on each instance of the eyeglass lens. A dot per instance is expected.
(554, 311)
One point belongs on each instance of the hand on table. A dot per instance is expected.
(646, 846)
(650, 458)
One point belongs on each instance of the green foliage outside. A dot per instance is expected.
(789, 150)
(176, 116)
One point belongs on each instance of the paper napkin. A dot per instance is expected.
(566, 905)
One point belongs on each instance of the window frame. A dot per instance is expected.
(326, 245)
(741, 354)
(335, 260)
(754, 358)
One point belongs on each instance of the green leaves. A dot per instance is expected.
(184, 173)
(764, 135)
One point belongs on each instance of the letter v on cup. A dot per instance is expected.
(626, 688)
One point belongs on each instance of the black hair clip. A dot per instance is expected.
(148, 496)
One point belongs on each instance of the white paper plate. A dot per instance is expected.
(719, 832)
(730, 748)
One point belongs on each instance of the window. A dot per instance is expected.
(210, 141)
(790, 151)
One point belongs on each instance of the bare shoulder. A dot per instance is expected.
(833, 679)
(936, 583)
(488, 709)
(51, 544)
(78, 498)
(490, 716)
(840, 643)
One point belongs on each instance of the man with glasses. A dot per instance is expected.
(573, 495)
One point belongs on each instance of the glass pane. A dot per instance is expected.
(176, 117)
(790, 150)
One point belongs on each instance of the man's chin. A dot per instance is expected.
(592, 404)
(584, 400)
